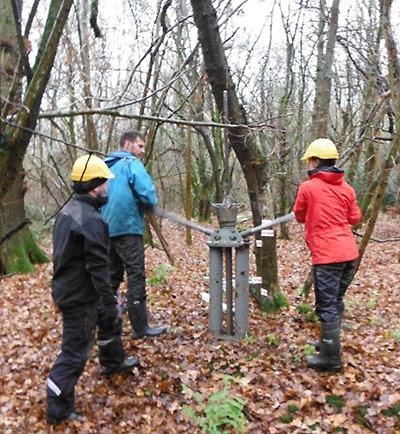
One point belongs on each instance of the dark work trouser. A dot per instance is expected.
(111, 352)
(79, 325)
(330, 284)
(127, 253)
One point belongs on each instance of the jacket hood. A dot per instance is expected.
(331, 175)
(114, 157)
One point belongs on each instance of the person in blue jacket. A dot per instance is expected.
(130, 194)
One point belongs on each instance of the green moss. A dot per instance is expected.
(36, 254)
(272, 340)
(308, 349)
(335, 401)
(395, 335)
(273, 303)
(160, 275)
(22, 254)
(18, 260)
(362, 412)
(312, 317)
(286, 418)
(304, 308)
(393, 411)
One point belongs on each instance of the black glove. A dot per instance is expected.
(108, 310)
(110, 314)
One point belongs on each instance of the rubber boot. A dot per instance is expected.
(72, 417)
(328, 358)
(126, 366)
(139, 322)
(317, 344)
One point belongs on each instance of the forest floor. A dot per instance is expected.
(186, 367)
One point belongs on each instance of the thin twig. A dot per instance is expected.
(37, 133)
(388, 240)
(14, 230)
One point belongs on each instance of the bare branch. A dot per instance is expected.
(94, 10)
(55, 139)
(387, 240)
(107, 112)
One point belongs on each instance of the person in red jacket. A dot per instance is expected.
(328, 205)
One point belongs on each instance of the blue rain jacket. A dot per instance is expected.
(129, 193)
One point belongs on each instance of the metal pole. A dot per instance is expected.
(242, 292)
(283, 219)
(226, 175)
(229, 290)
(160, 212)
(215, 288)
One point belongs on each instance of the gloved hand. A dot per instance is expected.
(110, 314)
(108, 309)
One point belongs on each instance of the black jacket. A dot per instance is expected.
(80, 254)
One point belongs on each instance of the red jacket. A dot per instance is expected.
(328, 205)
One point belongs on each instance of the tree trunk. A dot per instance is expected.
(323, 85)
(18, 249)
(188, 185)
(89, 125)
(323, 81)
(250, 156)
(10, 80)
(394, 152)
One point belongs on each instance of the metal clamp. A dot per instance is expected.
(225, 237)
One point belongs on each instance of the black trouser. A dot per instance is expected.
(111, 352)
(79, 325)
(127, 253)
(330, 284)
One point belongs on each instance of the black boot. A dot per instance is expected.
(126, 366)
(72, 417)
(317, 344)
(139, 322)
(329, 357)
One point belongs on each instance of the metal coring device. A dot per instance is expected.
(229, 263)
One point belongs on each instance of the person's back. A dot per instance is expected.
(327, 205)
(75, 225)
(129, 192)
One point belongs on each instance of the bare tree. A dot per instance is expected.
(18, 249)
(323, 79)
(249, 155)
(394, 151)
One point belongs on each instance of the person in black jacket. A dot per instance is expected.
(82, 289)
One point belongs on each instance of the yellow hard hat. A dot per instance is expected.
(324, 149)
(89, 167)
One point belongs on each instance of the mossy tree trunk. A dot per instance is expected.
(18, 250)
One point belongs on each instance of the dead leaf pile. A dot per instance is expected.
(282, 395)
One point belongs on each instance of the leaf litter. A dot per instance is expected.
(268, 370)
